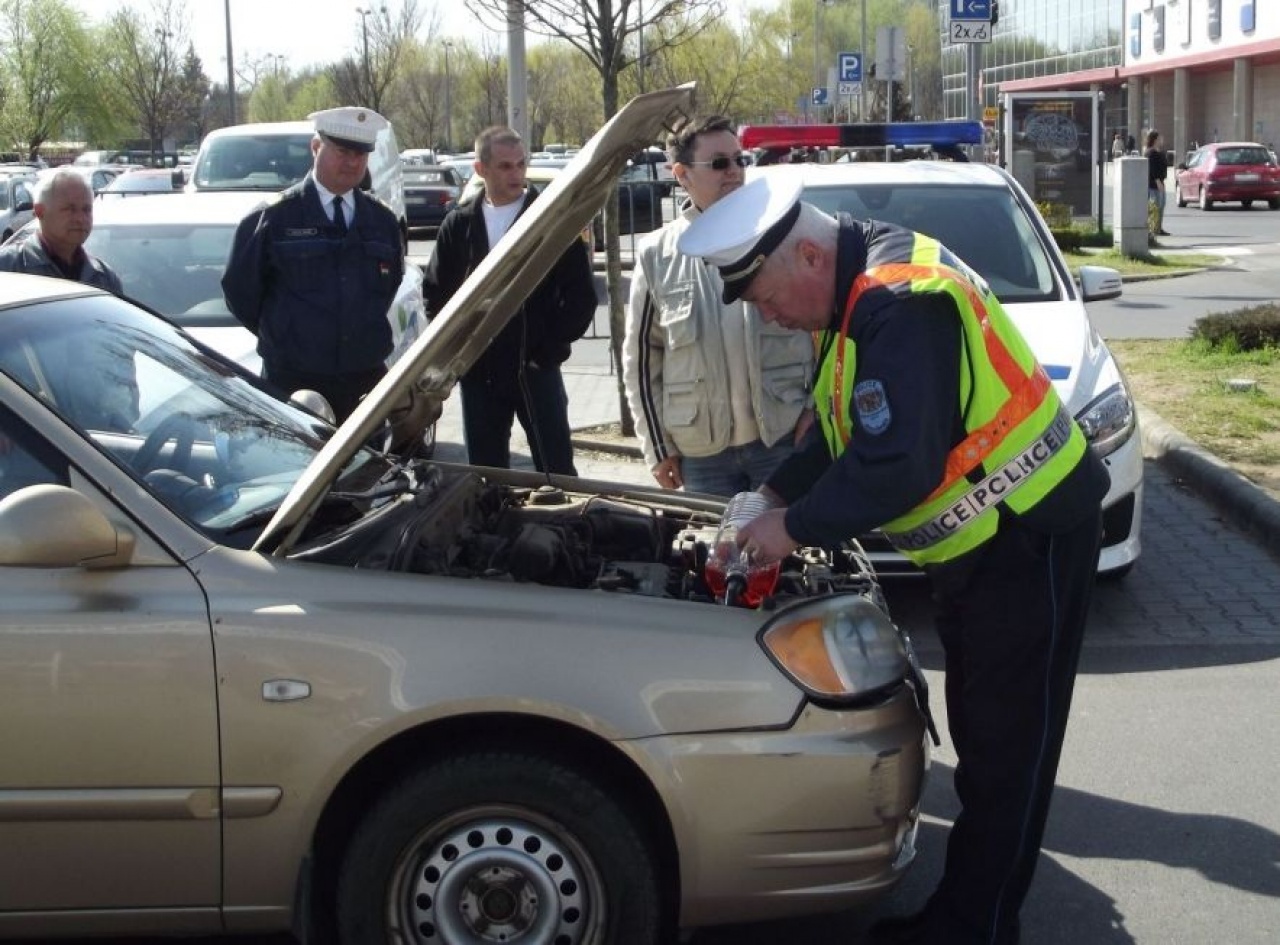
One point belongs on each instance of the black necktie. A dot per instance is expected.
(339, 218)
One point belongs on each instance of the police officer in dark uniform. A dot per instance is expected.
(937, 425)
(314, 274)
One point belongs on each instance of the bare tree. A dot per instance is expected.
(383, 40)
(147, 65)
(613, 35)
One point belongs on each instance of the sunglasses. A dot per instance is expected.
(722, 163)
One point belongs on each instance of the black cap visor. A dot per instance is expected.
(738, 275)
(365, 147)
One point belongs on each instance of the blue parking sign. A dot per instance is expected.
(849, 66)
(971, 9)
(819, 95)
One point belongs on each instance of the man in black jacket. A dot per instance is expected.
(519, 374)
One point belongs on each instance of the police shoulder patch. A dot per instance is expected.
(872, 404)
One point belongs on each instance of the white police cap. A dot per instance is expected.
(739, 231)
(349, 127)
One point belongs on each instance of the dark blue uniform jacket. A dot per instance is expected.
(316, 300)
(912, 347)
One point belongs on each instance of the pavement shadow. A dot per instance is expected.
(1062, 908)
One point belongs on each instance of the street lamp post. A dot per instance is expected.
(817, 78)
(231, 71)
(911, 81)
(448, 97)
(862, 86)
(365, 13)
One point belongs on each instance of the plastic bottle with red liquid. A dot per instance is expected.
(733, 577)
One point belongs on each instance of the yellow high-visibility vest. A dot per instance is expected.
(1020, 442)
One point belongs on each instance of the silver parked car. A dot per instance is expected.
(17, 200)
(258, 676)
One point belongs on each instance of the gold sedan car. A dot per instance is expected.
(259, 676)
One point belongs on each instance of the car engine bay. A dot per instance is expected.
(459, 523)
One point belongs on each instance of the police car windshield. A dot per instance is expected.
(985, 226)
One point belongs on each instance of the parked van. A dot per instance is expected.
(273, 156)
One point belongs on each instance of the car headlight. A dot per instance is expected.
(841, 648)
(1108, 420)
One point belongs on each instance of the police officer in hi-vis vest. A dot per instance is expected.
(937, 425)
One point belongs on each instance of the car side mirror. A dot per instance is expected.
(51, 526)
(315, 404)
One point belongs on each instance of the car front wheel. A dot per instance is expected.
(1205, 202)
(499, 847)
(1182, 201)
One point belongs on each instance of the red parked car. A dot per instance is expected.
(1229, 171)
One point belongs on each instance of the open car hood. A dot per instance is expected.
(478, 311)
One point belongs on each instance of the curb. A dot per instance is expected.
(1243, 504)
(613, 447)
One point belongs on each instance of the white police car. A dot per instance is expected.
(981, 213)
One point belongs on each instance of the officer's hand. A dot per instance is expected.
(667, 473)
(765, 537)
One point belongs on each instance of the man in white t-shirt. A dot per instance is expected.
(518, 376)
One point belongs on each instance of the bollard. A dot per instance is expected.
(1129, 206)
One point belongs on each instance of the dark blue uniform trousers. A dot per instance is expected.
(1012, 628)
(536, 396)
(343, 391)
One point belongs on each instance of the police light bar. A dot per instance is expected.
(938, 135)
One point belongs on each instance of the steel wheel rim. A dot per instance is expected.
(496, 874)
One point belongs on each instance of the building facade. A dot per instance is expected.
(1197, 70)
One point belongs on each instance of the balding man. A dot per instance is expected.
(64, 208)
(98, 391)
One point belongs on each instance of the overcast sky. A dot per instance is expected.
(325, 32)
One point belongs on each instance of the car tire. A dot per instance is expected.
(1182, 201)
(1246, 204)
(499, 846)
(1205, 202)
(1274, 203)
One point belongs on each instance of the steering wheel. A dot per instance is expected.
(181, 428)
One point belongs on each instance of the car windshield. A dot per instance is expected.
(200, 434)
(174, 268)
(984, 226)
(253, 162)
